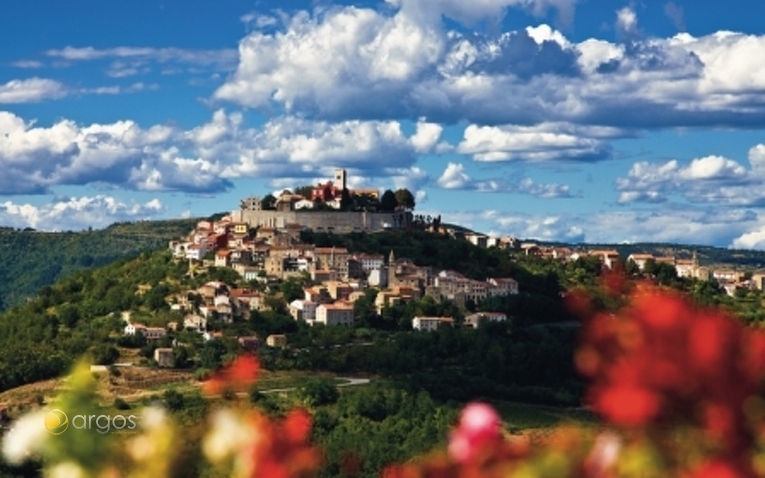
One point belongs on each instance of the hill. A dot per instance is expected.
(708, 255)
(31, 260)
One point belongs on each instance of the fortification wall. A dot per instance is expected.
(325, 220)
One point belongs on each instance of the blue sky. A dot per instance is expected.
(575, 120)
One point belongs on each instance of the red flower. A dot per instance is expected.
(240, 375)
(628, 405)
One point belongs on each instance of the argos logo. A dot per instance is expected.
(57, 422)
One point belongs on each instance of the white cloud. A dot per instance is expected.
(757, 157)
(31, 90)
(751, 240)
(412, 178)
(121, 154)
(426, 136)
(128, 61)
(347, 63)
(543, 33)
(626, 21)
(32, 64)
(731, 226)
(544, 142)
(77, 213)
(711, 179)
(471, 12)
(287, 145)
(455, 177)
(310, 64)
(712, 167)
(163, 55)
(117, 90)
(205, 158)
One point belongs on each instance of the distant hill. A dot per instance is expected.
(30, 260)
(707, 255)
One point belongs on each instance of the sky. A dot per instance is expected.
(560, 120)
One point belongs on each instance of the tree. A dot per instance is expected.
(365, 202)
(388, 201)
(292, 289)
(304, 191)
(69, 315)
(404, 199)
(212, 354)
(319, 391)
(364, 308)
(666, 273)
(269, 202)
(650, 267)
(104, 354)
(181, 357)
(174, 400)
(345, 200)
(121, 404)
(632, 268)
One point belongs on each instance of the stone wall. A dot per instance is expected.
(325, 221)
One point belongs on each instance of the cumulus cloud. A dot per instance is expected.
(471, 13)
(205, 158)
(77, 213)
(121, 154)
(711, 179)
(32, 90)
(751, 240)
(293, 147)
(543, 142)
(357, 63)
(455, 177)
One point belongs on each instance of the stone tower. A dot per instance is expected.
(340, 178)
(391, 270)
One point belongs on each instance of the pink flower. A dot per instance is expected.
(479, 427)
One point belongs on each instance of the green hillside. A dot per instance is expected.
(30, 260)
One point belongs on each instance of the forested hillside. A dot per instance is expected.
(30, 260)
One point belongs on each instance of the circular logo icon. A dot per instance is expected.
(56, 422)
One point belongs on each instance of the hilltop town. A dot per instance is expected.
(262, 244)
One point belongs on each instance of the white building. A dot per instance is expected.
(370, 262)
(151, 333)
(473, 320)
(339, 313)
(195, 322)
(196, 252)
(304, 204)
(303, 310)
(378, 278)
(502, 286)
(430, 324)
(134, 328)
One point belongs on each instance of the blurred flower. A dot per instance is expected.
(479, 427)
(240, 375)
(67, 469)
(152, 450)
(26, 439)
(228, 435)
(604, 454)
(283, 449)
